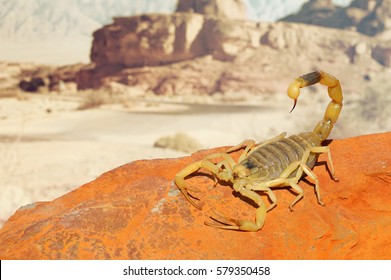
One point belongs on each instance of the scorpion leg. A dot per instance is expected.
(292, 182)
(326, 149)
(180, 180)
(223, 222)
(301, 167)
(223, 174)
(265, 186)
(248, 191)
(274, 139)
(250, 146)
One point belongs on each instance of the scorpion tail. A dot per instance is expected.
(324, 127)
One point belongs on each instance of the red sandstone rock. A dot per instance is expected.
(135, 212)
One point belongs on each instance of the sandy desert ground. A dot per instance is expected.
(48, 146)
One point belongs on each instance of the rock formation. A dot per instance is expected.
(234, 9)
(179, 142)
(227, 55)
(315, 12)
(41, 78)
(378, 20)
(32, 85)
(136, 212)
(149, 40)
(153, 40)
(160, 39)
(370, 17)
(196, 52)
(382, 54)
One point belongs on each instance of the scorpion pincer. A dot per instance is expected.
(280, 161)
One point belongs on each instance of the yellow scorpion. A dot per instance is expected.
(278, 162)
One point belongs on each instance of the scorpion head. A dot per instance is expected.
(240, 171)
(244, 170)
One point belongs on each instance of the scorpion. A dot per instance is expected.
(278, 162)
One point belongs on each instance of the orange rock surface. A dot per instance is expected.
(136, 212)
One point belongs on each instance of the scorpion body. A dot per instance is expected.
(280, 161)
(271, 160)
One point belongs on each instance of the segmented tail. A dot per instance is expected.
(324, 127)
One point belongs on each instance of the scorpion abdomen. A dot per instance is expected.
(270, 160)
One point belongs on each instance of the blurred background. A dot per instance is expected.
(89, 85)
(43, 24)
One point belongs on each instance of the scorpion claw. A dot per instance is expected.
(191, 198)
(220, 221)
(193, 189)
